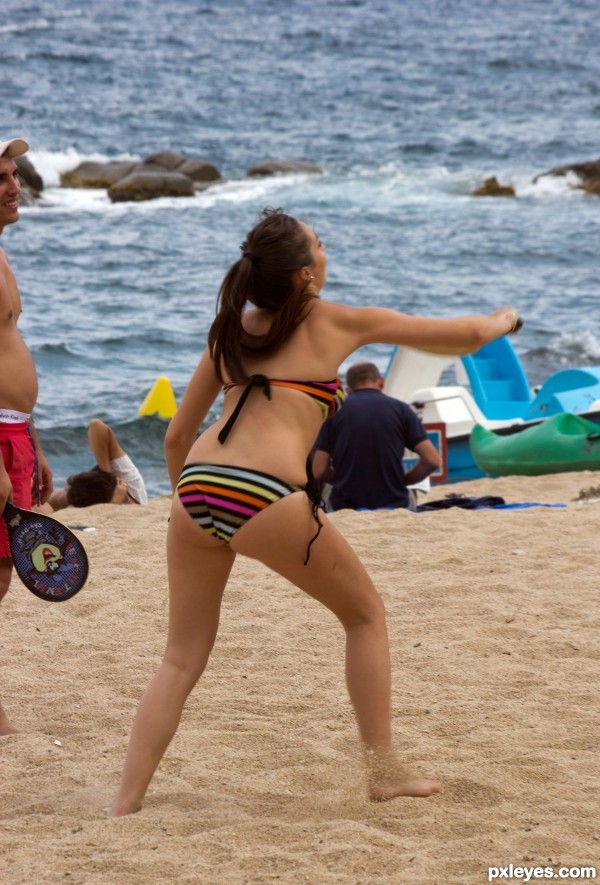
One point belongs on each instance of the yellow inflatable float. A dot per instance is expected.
(160, 400)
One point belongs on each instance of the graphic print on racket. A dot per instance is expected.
(49, 559)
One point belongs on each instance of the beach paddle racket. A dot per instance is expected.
(49, 559)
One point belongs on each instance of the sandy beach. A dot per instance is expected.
(493, 618)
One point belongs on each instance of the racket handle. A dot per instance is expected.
(10, 511)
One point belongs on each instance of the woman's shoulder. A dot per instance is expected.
(332, 310)
(342, 316)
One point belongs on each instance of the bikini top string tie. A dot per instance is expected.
(254, 381)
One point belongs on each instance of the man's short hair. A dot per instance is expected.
(361, 373)
(95, 486)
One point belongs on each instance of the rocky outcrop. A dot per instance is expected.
(200, 171)
(587, 172)
(29, 175)
(172, 174)
(587, 176)
(163, 174)
(101, 175)
(491, 187)
(149, 185)
(32, 184)
(196, 169)
(272, 167)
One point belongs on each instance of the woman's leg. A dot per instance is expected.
(198, 569)
(334, 576)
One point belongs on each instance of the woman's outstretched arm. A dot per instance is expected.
(453, 336)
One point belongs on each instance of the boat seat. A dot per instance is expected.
(498, 383)
(569, 390)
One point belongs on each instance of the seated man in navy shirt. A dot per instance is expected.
(360, 449)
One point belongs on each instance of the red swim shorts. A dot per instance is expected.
(18, 454)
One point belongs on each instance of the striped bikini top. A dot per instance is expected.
(329, 395)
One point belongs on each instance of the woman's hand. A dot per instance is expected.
(512, 318)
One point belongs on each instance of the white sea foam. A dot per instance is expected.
(391, 185)
(583, 345)
(51, 164)
(545, 186)
(252, 190)
(36, 24)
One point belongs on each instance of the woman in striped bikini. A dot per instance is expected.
(242, 485)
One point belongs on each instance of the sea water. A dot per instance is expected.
(406, 105)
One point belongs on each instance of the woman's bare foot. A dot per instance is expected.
(387, 779)
(120, 809)
(6, 726)
(406, 784)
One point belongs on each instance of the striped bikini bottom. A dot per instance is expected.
(221, 498)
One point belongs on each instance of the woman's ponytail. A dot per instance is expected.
(265, 275)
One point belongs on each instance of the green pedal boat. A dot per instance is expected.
(558, 444)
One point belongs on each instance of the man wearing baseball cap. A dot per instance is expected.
(25, 476)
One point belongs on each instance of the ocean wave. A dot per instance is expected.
(50, 164)
(68, 452)
(26, 27)
(382, 187)
(569, 349)
(552, 186)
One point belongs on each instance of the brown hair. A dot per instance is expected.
(360, 373)
(95, 486)
(272, 252)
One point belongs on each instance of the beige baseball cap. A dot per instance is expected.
(14, 147)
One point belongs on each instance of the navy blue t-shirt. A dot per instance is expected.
(366, 441)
